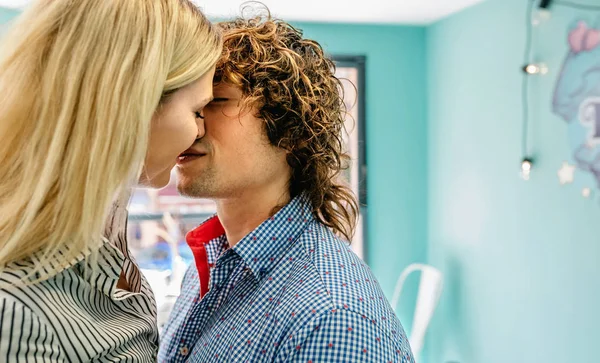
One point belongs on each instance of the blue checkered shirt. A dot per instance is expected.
(290, 291)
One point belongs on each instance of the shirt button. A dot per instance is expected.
(184, 350)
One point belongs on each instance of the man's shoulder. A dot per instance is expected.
(341, 271)
(343, 278)
(332, 291)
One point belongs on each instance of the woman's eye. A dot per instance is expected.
(199, 115)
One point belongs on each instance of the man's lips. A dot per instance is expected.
(189, 155)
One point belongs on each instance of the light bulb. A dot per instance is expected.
(526, 166)
(540, 16)
(535, 68)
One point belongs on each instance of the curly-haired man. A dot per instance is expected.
(274, 279)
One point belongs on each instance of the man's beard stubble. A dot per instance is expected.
(202, 186)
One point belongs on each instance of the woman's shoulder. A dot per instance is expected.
(15, 274)
(51, 298)
(14, 300)
(19, 289)
(76, 313)
(25, 334)
(17, 302)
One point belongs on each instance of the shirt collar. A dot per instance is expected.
(54, 265)
(265, 246)
(103, 270)
(208, 231)
(103, 261)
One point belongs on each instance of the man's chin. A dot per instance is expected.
(184, 190)
(184, 183)
(190, 189)
(193, 186)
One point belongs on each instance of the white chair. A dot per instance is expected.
(430, 289)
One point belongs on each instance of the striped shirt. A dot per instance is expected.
(79, 314)
(290, 291)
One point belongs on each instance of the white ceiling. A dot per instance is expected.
(347, 11)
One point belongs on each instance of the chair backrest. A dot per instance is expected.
(430, 289)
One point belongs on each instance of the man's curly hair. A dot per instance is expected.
(291, 83)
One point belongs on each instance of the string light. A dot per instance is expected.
(528, 69)
(541, 14)
(526, 166)
(535, 68)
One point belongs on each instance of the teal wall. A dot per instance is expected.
(521, 259)
(396, 143)
(6, 15)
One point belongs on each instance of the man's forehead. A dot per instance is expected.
(225, 86)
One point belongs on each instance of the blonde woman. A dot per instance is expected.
(96, 96)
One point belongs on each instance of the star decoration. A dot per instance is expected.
(586, 192)
(566, 174)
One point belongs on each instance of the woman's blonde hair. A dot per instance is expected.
(80, 81)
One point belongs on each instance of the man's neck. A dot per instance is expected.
(242, 214)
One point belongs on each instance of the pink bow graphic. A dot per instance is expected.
(583, 38)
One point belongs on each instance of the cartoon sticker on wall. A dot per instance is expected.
(577, 102)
